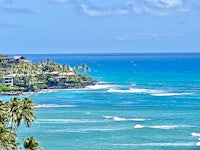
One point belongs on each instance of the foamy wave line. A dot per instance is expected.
(166, 127)
(54, 106)
(100, 86)
(171, 94)
(67, 121)
(147, 91)
(195, 134)
(123, 119)
(134, 90)
(87, 130)
(198, 144)
(159, 144)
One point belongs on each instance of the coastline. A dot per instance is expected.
(49, 89)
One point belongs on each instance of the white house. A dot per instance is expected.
(6, 80)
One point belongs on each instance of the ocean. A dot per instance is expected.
(141, 102)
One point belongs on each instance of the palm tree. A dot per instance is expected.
(21, 111)
(7, 139)
(76, 69)
(87, 69)
(31, 144)
(11, 115)
(27, 113)
(14, 113)
(4, 111)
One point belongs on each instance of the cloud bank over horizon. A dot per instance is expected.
(127, 7)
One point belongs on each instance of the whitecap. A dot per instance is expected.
(170, 94)
(195, 134)
(138, 126)
(133, 90)
(62, 121)
(53, 106)
(123, 119)
(99, 86)
(119, 119)
(159, 144)
(198, 144)
(163, 127)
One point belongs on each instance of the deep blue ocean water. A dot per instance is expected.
(146, 102)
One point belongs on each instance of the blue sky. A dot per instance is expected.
(99, 26)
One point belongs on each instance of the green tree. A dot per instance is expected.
(21, 111)
(7, 139)
(31, 144)
(12, 114)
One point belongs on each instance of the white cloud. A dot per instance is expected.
(139, 7)
(151, 7)
(157, 7)
(166, 3)
(91, 11)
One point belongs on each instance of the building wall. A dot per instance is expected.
(6, 81)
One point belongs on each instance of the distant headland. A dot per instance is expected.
(18, 75)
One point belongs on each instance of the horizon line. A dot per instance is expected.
(103, 53)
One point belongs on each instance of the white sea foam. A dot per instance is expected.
(195, 134)
(163, 127)
(159, 144)
(99, 86)
(61, 121)
(53, 106)
(170, 94)
(166, 127)
(198, 144)
(133, 90)
(123, 119)
(138, 126)
(152, 92)
(86, 130)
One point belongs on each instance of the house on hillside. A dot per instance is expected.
(6, 80)
(5, 58)
(18, 59)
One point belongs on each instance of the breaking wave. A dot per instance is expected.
(159, 144)
(54, 106)
(152, 92)
(195, 134)
(171, 94)
(123, 119)
(166, 127)
(99, 86)
(134, 90)
(61, 121)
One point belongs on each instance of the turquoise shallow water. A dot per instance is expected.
(147, 101)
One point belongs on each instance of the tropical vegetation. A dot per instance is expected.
(12, 115)
(29, 76)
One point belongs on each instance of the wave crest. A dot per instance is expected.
(53, 106)
(166, 127)
(99, 86)
(195, 134)
(123, 119)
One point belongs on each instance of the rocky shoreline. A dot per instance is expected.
(68, 86)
